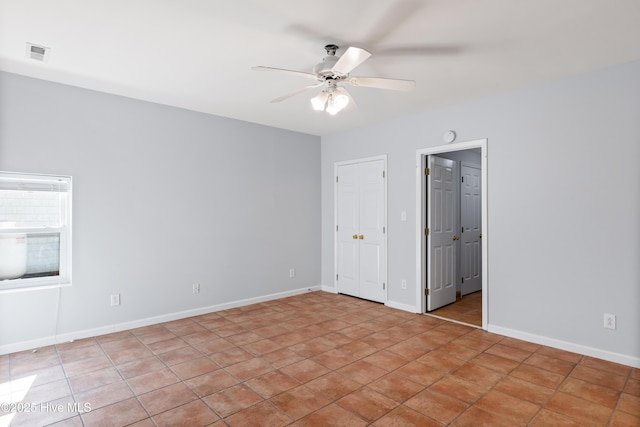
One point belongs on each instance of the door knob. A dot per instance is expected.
(456, 238)
(361, 237)
(355, 236)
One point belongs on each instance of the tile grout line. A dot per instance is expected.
(248, 318)
(156, 355)
(115, 366)
(615, 408)
(555, 391)
(66, 377)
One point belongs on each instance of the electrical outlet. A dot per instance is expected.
(292, 272)
(403, 283)
(115, 300)
(196, 288)
(609, 321)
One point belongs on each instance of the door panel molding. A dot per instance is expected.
(421, 220)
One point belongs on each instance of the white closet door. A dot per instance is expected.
(371, 237)
(348, 230)
(361, 236)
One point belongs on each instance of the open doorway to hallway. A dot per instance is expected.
(451, 202)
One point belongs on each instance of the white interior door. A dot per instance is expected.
(361, 244)
(348, 218)
(442, 237)
(371, 236)
(471, 227)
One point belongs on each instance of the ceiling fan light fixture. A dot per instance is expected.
(332, 109)
(337, 101)
(332, 100)
(340, 98)
(319, 101)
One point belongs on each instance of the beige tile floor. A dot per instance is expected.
(316, 359)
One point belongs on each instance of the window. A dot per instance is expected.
(35, 230)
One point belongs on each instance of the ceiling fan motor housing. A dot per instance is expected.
(324, 70)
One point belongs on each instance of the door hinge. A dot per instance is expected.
(384, 230)
(384, 286)
(383, 174)
(336, 227)
(427, 171)
(336, 178)
(463, 179)
(426, 291)
(426, 231)
(336, 277)
(462, 279)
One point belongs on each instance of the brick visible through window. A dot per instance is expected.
(35, 228)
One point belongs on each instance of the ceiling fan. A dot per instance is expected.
(334, 70)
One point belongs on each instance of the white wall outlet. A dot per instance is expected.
(403, 284)
(196, 288)
(115, 300)
(609, 321)
(292, 272)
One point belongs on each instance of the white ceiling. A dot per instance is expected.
(198, 54)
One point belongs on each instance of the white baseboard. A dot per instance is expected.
(401, 306)
(330, 289)
(87, 333)
(568, 346)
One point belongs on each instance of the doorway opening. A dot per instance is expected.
(467, 309)
(451, 230)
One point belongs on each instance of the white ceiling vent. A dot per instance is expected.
(37, 52)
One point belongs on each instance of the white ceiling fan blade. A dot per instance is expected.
(285, 71)
(349, 60)
(299, 91)
(380, 83)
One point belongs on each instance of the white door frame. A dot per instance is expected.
(383, 263)
(421, 221)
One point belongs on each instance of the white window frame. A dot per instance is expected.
(64, 230)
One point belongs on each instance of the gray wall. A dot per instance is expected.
(165, 197)
(162, 198)
(563, 201)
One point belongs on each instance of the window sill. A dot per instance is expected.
(25, 285)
